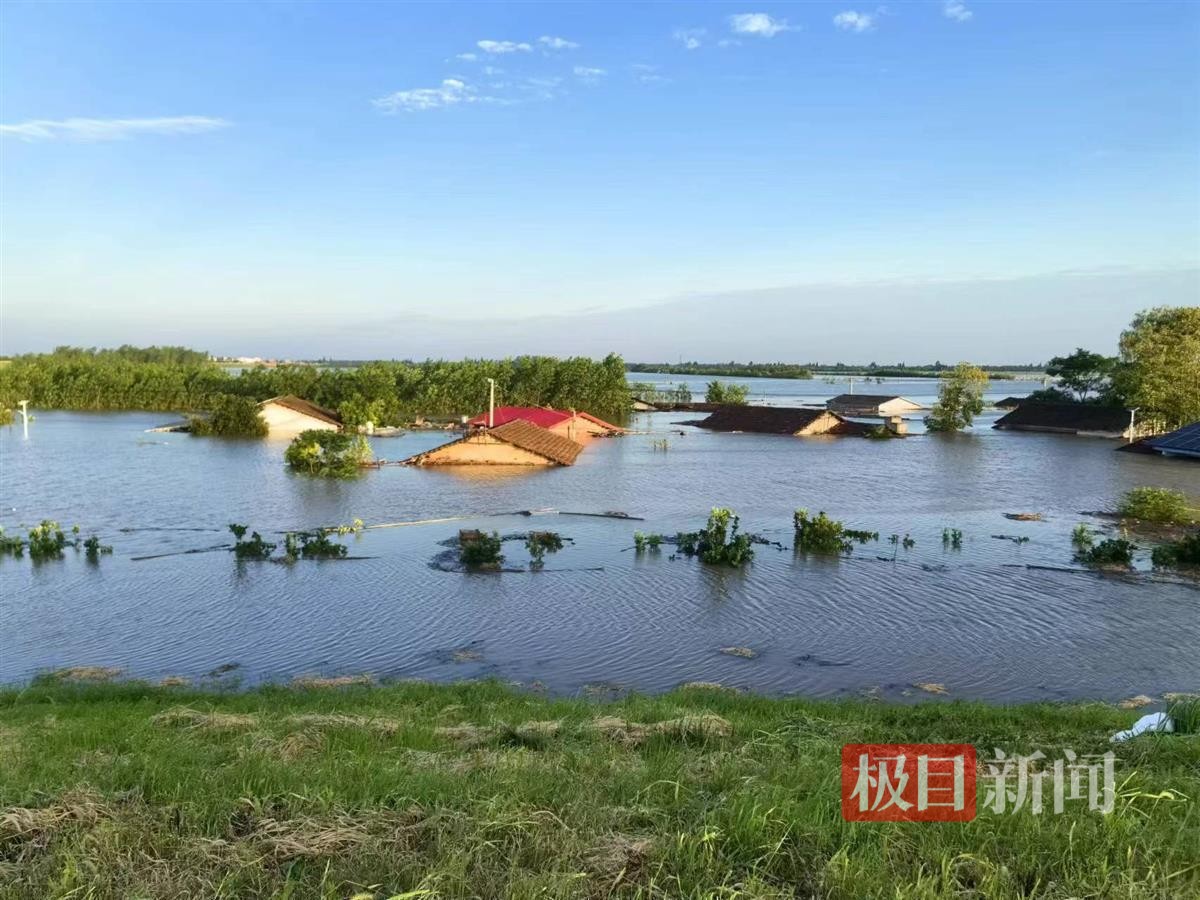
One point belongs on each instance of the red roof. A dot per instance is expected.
(536, 415)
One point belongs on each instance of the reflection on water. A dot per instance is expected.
(976, 619)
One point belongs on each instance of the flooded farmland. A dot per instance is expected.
(601, 617)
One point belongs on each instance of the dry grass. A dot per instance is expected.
(377, 724)
(174, 681)
(705, 725)
(82, 807)
(92, 674)
(186, 717)
(336, 681)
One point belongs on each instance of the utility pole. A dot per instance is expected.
(24, 404)
(1132, 413)
(491, 402)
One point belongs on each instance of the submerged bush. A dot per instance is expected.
(719, 543)
(727, 393)
(643, 542)
(11, 545)
(539, 543)
(477, 550)
(234, 417)
(46, 541)
(1112, 553)
(1082, 536)
(254, 548)
(824, 535)
(6, 416)
(1159, 505)
(93, 549)
(1184, 553)
(328, 454)
(952, 537)
(312, 545)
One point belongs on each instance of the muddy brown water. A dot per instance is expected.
(976, 619)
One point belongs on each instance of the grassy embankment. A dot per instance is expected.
(124, 790)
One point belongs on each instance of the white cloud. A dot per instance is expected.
(647, 74)
(588, 72)
(854, 21)
(109, 129)
(503, 47)
(759, 24)
(468, 57)
(557, 43)
(956, 10)
(450, 92)
(691, 38)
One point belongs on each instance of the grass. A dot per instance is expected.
(473, 790)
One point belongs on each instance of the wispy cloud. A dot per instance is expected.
(691, 38)
(468, 57)
(589, 74)
(109, 129)
(956, 10)
(757, 24)
(503, 46)
(648, 74)
(857, 22)
(557, 43)
(451, 92)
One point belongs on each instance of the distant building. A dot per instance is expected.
(1086, 419)
(1183, 441)
(874, 405)
(290, 415)
(515, 443)
(800, 421)
(571, 425)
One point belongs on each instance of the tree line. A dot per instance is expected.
(1156, 372)
(386, 393)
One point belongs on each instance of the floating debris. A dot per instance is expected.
(931, 687)
(1136, 702)
(1025, 517)
(743, 652)
(809, 658)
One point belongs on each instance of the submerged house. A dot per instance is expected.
(1087, 419)
(291, 415)
(1184, 442)
(515, 443)
(872, 405)
(571, 425)
(800, 421)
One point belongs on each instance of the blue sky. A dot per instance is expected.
(253, 177)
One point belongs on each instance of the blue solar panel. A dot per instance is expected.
(1185, 440)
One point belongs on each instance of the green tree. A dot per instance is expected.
(328, 454)
(726, 393)
(1159, 368)
(960, 398)
(1083, 373)
(234, 417)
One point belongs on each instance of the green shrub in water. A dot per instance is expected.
(1184, 553)
(328, 454)
(1112, 553)
(952, 537)
(1158, 505)
(93, 549)
(480, 551)
(539, 543)
(1082, 536)
(823, 535)
(719, 543)
(254, 548)
(46, 541)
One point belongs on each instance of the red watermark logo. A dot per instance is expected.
(908, 782)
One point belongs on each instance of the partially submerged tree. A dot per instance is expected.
(329, 454)
(1159, 368)
(236, 417)
(727, 393)
(960, 398)
(1082, 373)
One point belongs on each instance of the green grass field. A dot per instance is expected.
(124, 790)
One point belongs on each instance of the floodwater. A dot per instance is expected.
(600, 617)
